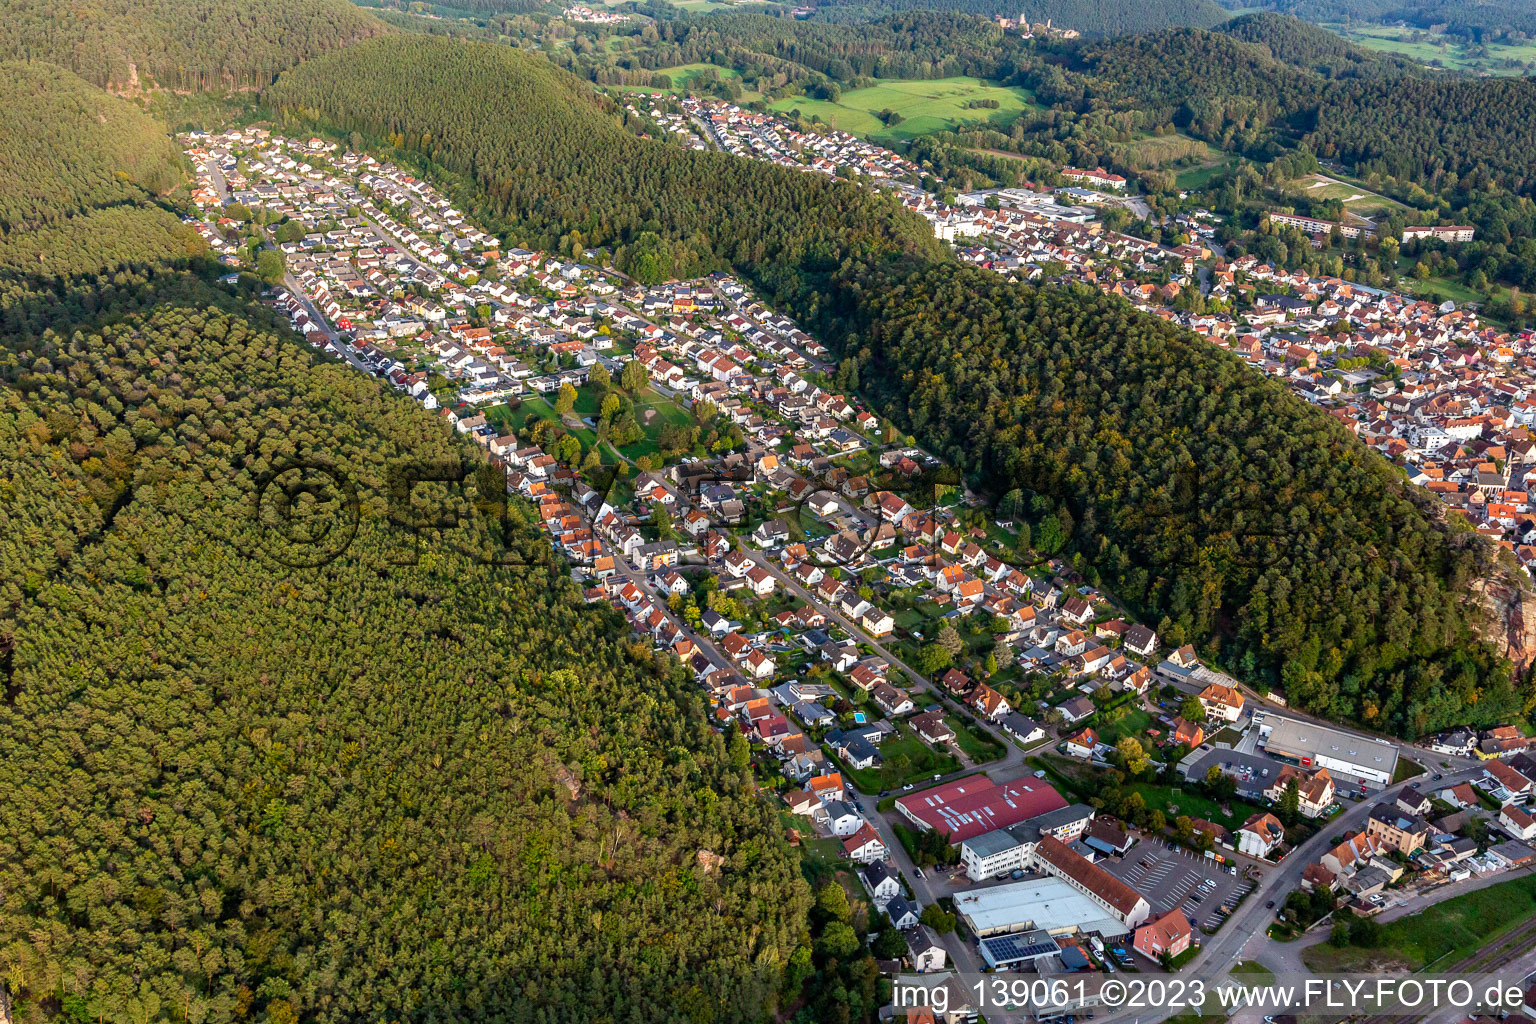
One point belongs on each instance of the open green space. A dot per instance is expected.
(1253, 972)
(533, 406)
(978, 746)
(1356, 199)
(1197, 177)
(905, 758)
(1135, 723)
(1443, 934)
(1191, 803)
(926, 106)
(1438, 50)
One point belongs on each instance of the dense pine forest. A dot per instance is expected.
(1435, 132)
(171, 44)
(1202, 492)
(236, 786)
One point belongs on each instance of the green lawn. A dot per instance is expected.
(978, 746)
(1443, 934)
(921, 762)
(1135, 723)
(927, 106)
(1252, 969)
(1193, 804)
(1196, 177)
(1356, 198)
(506, 418)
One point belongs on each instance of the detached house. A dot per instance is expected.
(1168, 935)
(1222, 703)
(1260, 835)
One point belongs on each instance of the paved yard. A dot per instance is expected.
(1170, 876)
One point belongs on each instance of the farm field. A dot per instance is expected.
(927, 106)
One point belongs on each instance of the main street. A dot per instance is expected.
(1244, 932)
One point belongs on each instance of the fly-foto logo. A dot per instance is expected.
(306, 511)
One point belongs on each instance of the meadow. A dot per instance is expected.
(926, 106)
(1438, 50)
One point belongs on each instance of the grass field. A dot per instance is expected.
(1442, 934)
(684, 75)
(928, 106)
(1135, 723)
(1356, 199)
(1437, 50)
(1193, 804)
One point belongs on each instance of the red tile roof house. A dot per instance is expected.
(1168, 935)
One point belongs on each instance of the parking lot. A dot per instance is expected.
(1170, 876)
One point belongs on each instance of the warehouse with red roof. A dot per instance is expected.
(970, 806)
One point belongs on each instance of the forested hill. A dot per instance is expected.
(81, 175)
(1090, 17)
(914, 45)
(1196, 488)
(179, 44)
(239, 782)
(67, 147)
(1483, 20)
(1432, 131)
(1308, 46)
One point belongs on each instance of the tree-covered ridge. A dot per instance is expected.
(1163, 461)
(411, 780)
(553, 161)
(229, 786)
(66, 147)
(1433, 131)
(1202, 491)
(80, 177)
(179, 44)
(913, 45)
(1308, 46)
(1485, 20)
(1090, 17)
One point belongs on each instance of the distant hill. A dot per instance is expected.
(179, 44)
(68, 147)
(1475, 20)
(1090, 17)
(79, 175)
(1305, 45)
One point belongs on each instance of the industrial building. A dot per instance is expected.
(1000, 851)
(1311, 745)
(1050, 905)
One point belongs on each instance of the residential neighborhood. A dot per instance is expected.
(963, 725)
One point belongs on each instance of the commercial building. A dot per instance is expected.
(1017, 950)
(1008, 849)
(1111, 894)
(971, 806)
(1310, 745)
(1050, 905)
